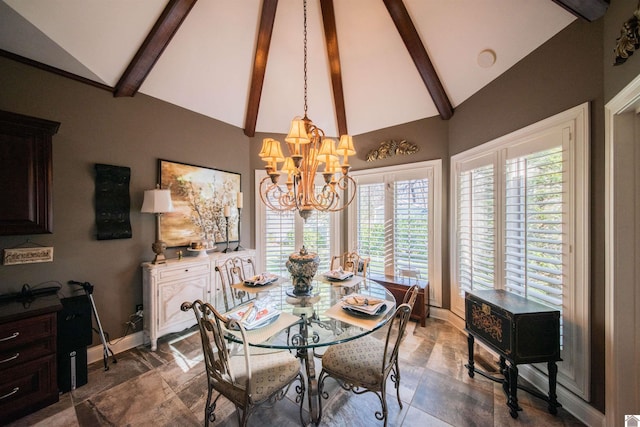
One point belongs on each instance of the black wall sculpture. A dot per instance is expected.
(112, 202)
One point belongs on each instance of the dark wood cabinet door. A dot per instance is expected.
(25, 174)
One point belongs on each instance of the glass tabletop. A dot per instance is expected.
(314, 320)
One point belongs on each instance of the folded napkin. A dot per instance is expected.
(255, 314)
(262, 279)
(339, 274)
(361, 300)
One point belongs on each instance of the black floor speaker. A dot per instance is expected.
(74, 335)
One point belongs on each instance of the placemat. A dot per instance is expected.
(368, 323)
(260, 335)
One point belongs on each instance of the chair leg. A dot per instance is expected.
(245, 417)
(396, 381)
(321, 393)
(383, 401)
(210, 407)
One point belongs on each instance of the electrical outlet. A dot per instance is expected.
(138, 307)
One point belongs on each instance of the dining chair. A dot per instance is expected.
(246, 379)
(231, 272)
(411, 273)
(351, 261)
(363, 365)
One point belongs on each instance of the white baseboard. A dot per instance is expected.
(572, 403)
(95, 353)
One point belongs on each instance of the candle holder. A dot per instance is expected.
(227, 249)
(239, 248)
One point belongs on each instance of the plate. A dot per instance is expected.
(359, 313)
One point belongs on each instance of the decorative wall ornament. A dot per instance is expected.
(629, 40)
(390, 148)
(27, 255)
(112, 203)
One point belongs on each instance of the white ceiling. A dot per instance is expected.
(207, 66)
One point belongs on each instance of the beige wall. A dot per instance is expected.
(98, 128)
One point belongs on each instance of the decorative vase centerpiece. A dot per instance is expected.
(303, 267)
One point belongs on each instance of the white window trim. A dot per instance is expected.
(574, 375)
(435, 219)
(336, 222)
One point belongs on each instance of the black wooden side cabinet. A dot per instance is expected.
(521, 332)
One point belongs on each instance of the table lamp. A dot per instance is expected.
(158, 202)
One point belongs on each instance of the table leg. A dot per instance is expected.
(306, 358)
(553, 398)
(512, 399)
(470, 365)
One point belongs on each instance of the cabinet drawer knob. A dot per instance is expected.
(10, 337)
(11, 393)
(15, 356)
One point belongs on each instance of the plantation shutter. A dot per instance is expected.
(476, 228)
(279, 232)
(371, 224)
(411, 225)
(317, 237)
(534, 221)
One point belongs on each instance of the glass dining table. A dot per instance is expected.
(306, 323)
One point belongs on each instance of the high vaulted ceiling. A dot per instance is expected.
(379, 63)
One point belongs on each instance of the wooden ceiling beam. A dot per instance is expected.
(157, 40)
(333, 54)
(420, 57)
(265, 30)
(589, 10)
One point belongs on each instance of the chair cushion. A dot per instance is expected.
(269, 372)
(358, 362)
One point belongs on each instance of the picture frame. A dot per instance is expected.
(33, 255)
(199, 195)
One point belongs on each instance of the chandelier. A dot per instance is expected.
(311, 154)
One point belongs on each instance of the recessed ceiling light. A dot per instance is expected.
(486, 58)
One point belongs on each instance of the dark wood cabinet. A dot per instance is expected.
(25, 174)
(521, 331)
(28, 371)
(398, 286)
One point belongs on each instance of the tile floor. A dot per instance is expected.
(168, 388)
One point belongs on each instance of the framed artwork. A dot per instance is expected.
(199, 195)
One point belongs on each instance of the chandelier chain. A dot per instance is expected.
(305, 57)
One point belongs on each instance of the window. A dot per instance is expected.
(279, 234)
(520, 223)
(396, 217)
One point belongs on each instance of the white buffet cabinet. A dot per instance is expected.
(166, 286)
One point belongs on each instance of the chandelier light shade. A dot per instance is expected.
(310, 155)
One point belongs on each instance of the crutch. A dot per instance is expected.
(88, 289)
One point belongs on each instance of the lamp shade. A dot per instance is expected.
(157, 201)
(345, 147)
(298, 132)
